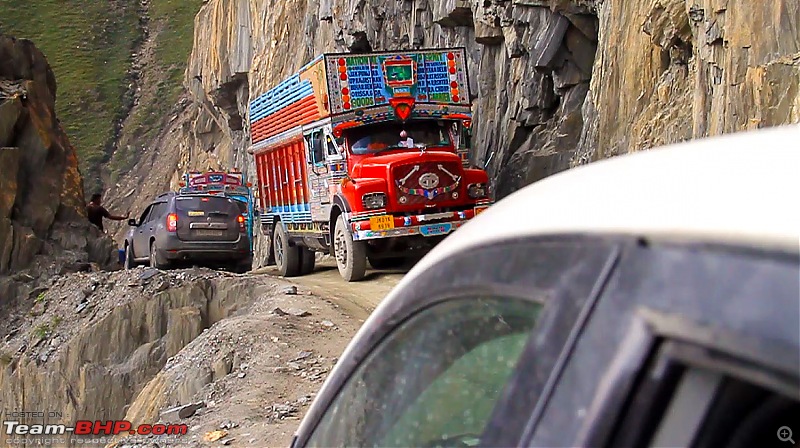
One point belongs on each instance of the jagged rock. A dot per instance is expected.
(148, 274)
(181, 412)
(661, 72)
(297, 312)
(41, 189)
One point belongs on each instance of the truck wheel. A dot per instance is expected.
(351, 256)
(287, 257)
(156, 260)
(309, 259)
(387, 263)
(269, 240)
(129, 263)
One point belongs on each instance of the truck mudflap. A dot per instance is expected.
(426, 225)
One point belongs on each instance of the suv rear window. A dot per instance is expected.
(207, 203)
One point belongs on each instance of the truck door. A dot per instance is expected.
(317, 174)
(334, 156)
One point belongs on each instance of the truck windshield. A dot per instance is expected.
(374, 138)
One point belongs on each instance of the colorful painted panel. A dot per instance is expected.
(294, 102)
(359, 81)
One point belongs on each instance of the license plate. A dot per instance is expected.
(383, 222)
(435, 229)
(196, 213)
(209, 232)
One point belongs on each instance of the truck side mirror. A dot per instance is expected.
(317, 148)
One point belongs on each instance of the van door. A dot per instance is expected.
(141, 234)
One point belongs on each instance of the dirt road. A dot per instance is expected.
(282, 343)
(357, 298)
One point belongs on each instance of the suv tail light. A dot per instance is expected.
(172, 222)
(240, 218)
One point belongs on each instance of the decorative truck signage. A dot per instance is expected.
(365, 157)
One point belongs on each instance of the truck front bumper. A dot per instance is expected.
(426, 225)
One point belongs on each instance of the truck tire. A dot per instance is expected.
(269, 240)
(287, 257)
(351, 256)
(156, 260)
(308, 260)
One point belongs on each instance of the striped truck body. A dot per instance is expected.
(355, 88)
(297, 101)
(283, 182)
(348, 90)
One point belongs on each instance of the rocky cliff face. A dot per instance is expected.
(92, 341)
(556, 83)
(42, 213)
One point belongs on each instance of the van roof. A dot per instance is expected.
(735, 189)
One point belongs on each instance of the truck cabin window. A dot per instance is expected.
(380, 137)
(317, 148)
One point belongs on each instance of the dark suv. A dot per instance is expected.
(202, 229)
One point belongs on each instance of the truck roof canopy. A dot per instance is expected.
(357, 89)
(713, 191)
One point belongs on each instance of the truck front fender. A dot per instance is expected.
(342, 202)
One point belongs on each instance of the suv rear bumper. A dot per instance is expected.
(174, 248)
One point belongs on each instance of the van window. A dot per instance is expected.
(434, 381)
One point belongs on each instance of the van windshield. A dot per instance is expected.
(375, 138)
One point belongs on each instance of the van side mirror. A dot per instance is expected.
(132, 222)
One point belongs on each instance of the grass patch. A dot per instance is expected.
(39, 298)
(45, 329)
(175, 21)
(88, 44)
(42, 330)
(6, 358)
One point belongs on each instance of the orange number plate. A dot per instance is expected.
(383, 222)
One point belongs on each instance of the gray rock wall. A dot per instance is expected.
(555, 83)
(42, 213)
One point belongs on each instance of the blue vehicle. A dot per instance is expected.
(231, 184)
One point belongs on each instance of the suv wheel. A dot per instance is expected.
(129, 263)
(287, 257)
(156, 261)
(351, 256)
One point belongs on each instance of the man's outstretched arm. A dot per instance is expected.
(114, 217)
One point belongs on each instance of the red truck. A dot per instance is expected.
(364, 157)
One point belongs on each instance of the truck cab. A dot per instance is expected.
(370, 165)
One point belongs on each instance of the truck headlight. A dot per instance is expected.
(477, 191)
(373, 201)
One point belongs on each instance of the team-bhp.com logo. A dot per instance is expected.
(87, 427)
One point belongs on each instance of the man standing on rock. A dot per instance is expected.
(97, 212)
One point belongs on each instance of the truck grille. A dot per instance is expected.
(426, 183)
